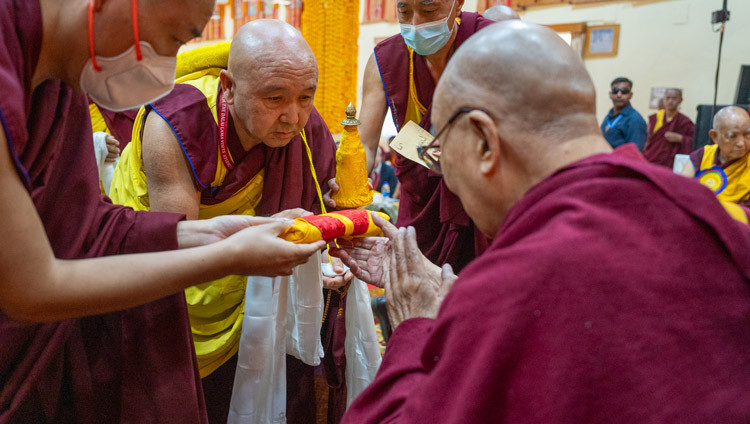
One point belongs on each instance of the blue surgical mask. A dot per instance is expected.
(426, 39)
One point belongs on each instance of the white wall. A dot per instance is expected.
(662, 43)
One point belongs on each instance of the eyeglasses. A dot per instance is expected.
(624, 91)
(430, 153)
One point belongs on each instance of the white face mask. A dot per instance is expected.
(127, 81)
(427, 38)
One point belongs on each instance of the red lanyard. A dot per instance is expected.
(223, 118)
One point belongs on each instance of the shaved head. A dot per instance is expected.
(514, 104)
(731, 132)
(726, 115)
(264, 44)
(500, 13)
(524, 73)
(270, 82)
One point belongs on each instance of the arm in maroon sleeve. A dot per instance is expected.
(400, 372)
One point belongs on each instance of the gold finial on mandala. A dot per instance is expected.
(351, 116)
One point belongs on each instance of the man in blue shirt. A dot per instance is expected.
(623, 124)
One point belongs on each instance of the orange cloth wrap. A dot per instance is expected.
(345, 224)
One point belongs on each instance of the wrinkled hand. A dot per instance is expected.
(416, 287)
(113, 149)
(673, 137)
(340, 280)
(368, 258)
(291, 213)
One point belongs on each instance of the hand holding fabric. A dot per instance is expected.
(256, 247)
(343, 276)
(113, 149)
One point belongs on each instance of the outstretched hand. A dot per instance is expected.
(414, 287)
(256, 246)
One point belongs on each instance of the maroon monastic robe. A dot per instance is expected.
(445, 232)
(588, 307)
(660, 151)
(117, 367)
(287, 184)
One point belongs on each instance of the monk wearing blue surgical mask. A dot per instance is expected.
(401, 75)
(87, 338)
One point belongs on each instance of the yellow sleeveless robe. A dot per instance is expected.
(216, 308)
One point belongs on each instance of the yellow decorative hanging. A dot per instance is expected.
(351, 166)
(332, 30)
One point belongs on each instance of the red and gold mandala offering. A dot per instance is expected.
(344, 224)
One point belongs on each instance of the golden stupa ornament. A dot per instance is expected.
(351, 166)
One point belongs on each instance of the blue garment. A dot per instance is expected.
(387, 175)
(627, 127)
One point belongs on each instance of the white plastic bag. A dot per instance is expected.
(361, 345)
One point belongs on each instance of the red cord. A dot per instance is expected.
(91, 37)
(136, 36)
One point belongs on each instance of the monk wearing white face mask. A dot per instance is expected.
(134, 365)
(401, 75)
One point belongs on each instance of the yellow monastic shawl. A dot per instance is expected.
(216, 308)
(737, 188)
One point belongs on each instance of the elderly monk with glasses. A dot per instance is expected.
(581, 310)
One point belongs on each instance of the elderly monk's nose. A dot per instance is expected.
(290, 114)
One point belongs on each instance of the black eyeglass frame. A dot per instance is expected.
(423, 151)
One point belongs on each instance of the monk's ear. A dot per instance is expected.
(227, 84)
(487, 144)
(714, 135)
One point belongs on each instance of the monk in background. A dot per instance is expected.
(669, 132)
(259, 111)
(401, 74)
(548, 326)
(724, 167)
(77, 347)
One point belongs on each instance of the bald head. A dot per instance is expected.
(524, 73)
(268, 43)
(727, 115)
(526, 108)
(501, 13)
(270, 83)
(731, 132)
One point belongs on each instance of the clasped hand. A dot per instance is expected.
(414, 287)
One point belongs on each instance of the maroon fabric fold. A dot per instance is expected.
(136, 365)
(445, 233)
(614, 288)
(102, 369)
(660, 151)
